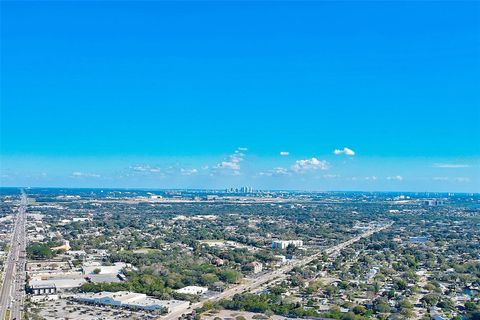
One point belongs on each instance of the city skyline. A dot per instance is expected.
(309, 96)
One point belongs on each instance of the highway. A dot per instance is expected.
(276, 275)
(12, 294)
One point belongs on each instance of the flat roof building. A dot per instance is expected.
(132, 300)
(60, 284)
(92, 266)
(192, 290)
(41, 289)
(283, 244)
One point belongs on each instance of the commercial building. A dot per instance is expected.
(283, 244)
(93, 267)
(110, 277)
(41, 289)
(192, 290)
(60, 284)
(132, 300)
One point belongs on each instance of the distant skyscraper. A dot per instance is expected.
(245, 189)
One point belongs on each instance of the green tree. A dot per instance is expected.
(230, 276)
(359, 310)
(39, 251)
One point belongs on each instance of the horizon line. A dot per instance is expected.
(223, 189)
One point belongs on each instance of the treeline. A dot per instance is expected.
(267, 303)
(137, 282)
(161, 285)
(177, 270)
(272, 303)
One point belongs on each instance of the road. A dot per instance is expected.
(12, 294)
(276, 275)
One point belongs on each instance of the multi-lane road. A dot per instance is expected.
(276, 275)
(12, 294)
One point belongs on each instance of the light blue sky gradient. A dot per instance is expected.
(159, 94)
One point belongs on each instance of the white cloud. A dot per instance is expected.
(284, 153)
(331, 176)
(233, 165)
(237, 157)
(300, 166)
(372, 178)
(456, 179)
(346, 151)
(188, 172)
(397, 178)
(140, 168)
(145, 168)
(450, 165)
(233, 162)
(310, 164)
(281, 171)
(278, 171)
(78, 174)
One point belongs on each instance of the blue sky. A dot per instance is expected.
(207, 94)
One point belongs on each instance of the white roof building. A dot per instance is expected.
(192, 290)
(60, 284)
(89, 267)
(283, 244)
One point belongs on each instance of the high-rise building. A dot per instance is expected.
(245, 189)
